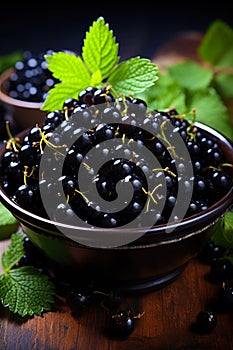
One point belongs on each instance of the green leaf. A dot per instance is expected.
(222, 232)
(13, 252)
(211, 111)
(224, 85)
(133, 76)
(8, 223)
(100, 50)
(26, 291)
(69, 68)
(216, 46)
(190, 75)
(59, 93)
(165, 94)
(96, 78)
(8, 61)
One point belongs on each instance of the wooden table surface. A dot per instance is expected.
(166, 324)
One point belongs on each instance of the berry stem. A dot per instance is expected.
(164, 138)
(165, 169)
(12, 143)
(84, 197)
(151, 196)
(48, 143)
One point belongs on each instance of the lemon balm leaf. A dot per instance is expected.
(100, 50)
(224, 84)
(8, 223)
(211, 110)
(68, 67)
(26, 291)
(74, 77)
(96, 79)
(14, 251)
(189, 74)
(216, 46)
(164, 95)
(9, 60)
(221, 232)
(59, 93)
(97, 67)
(133, 76)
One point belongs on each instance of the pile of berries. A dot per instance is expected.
(31, 78)
(128, 127)
(220, 274)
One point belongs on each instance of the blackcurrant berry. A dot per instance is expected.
(206, 322)
(78, 298)
(221, 270)
(120, 324)
(225, 299)
(211, 252)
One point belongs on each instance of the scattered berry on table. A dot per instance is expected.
(206, 322)
(120, 324)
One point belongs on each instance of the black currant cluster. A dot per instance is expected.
(221, 274)
(31, 78)
(126, 117)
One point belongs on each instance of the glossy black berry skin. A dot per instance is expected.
(78, 299)
(120, 324)
(225, 299)
(206, 322)
(210, 252)
(90, 120)
(221, 271)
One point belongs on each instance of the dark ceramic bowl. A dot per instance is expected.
(148, 262)
(25, 114)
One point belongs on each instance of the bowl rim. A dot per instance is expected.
(5, 98)
(179, 229)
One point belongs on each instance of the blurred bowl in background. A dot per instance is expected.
(25, 114)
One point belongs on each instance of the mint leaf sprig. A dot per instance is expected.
(205, 84)
(24, 290)
(8, 223)
(98, 66)
(221, 234)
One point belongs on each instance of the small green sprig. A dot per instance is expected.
(221, 234)
(9, 60)
(98, 66)
(8, 223)
(24, 290)
(205, 85)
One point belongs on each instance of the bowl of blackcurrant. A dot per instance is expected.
(179, 173)
(23, 89)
